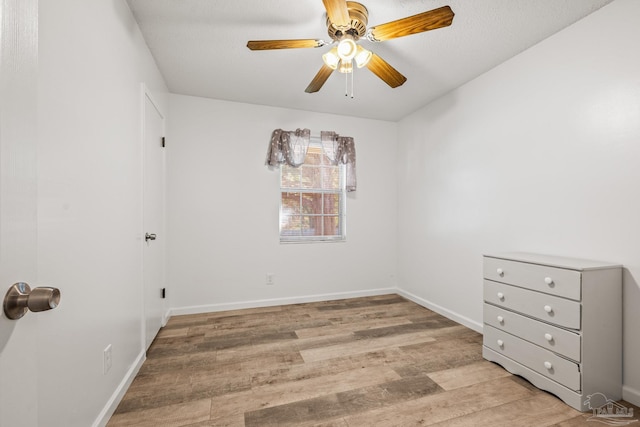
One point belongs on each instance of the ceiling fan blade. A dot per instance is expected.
(431, 20)
(337, 12)
(319, 79)
(386, 72)
(283, 44)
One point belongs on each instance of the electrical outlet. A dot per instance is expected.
(271, 279)
(107, 360)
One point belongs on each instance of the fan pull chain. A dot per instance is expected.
(346, 84)
(352, 83)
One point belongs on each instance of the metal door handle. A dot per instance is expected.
(20, 298)
(148, 237)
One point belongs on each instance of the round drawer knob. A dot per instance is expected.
(500, 343)
(501, 320)
(548, 337)
(548, 281)
(548, 365)
(548, 308)
(500, 272)
(500, 296)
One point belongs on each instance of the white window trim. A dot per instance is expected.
(342, 215)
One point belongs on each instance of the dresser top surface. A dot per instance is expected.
(555, 261)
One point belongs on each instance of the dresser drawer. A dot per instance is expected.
(559, 311)
(551, 280)
(536, 358)
(543, 334)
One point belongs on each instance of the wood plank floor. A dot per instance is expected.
(375, 361)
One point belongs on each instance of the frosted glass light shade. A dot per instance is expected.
(347, 49)
(346, 67)
(363, 56)
(331, 58)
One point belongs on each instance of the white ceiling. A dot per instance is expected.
(200, 48)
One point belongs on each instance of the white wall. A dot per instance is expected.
(223, 210)
(540, 154)
(92, 62)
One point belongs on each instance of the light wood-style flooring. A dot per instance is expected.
(374, 361)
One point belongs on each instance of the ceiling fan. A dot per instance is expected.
(346, 24)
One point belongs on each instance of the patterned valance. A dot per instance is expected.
(290, 148)
(341, 149)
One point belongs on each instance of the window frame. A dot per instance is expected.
(341, 192)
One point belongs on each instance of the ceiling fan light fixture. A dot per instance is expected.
(363, 56)
(346, 67)
(347, 49)
(346, 25)
(331, 58)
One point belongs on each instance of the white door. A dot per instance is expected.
(153, 220)
(18, 237)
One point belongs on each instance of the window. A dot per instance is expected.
(312, 199)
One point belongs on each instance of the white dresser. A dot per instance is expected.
(556, 322)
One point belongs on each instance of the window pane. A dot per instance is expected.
(290, 177)
(325, 160)
(290, 225)
(312, 225)
(332, 226)
(314, 157)
(290, 203)
(311, 177)
(332, 204)
(331, 178)
(312, 203)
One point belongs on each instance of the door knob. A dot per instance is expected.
(20, 298)
(148, 237)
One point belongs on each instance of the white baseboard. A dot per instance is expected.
(463, 320)
(631, 395)
(116, 397)
(210, 308)
(165, 317)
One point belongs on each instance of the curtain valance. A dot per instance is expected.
(341, 149)
(290, 147)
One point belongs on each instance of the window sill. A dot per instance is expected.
(303, 241)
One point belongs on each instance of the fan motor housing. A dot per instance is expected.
(357, 27)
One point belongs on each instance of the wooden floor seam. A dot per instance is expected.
(371, 361)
